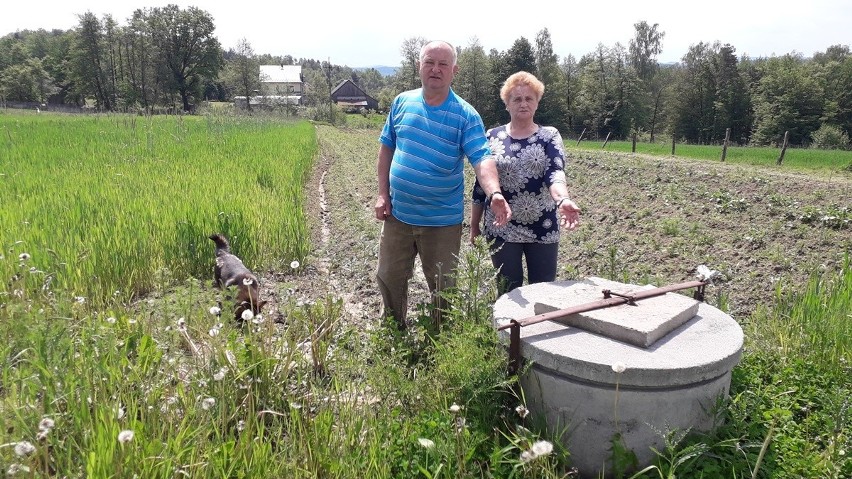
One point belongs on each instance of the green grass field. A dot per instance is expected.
(163, 387)
(119, 198)
(822, 161)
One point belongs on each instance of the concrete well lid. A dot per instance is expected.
(698, 348)
(640, 323)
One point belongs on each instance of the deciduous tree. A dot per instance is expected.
(241, 74)
(186, 47)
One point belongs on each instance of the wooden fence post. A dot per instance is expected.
(673, 145)
(725, 145)
(581, 137)
(606, 140)
(783, 148)
(634, 142)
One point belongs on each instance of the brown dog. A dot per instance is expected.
(230, 271)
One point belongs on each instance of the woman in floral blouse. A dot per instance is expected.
(530, 161)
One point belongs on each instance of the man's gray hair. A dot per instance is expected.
(435, 43)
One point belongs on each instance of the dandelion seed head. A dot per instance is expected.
(215, 310)
(294, 264)
(619, 367)
(80, 299)
(542, 448)
(16, 468)
(213, 332)
(24, 256)
(522, 411)
(220, 374)
(247, 315)
(46, 424)
(455, 408)
(241, 425)
(257, 319)
(125, 436)
(426, 443)
(24, 448)
(527, 456)
(111, 320)
(208, 403)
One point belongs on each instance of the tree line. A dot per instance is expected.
(167, 59)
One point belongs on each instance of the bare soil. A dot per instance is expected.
(645, 220)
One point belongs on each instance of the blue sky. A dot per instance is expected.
(371, 32)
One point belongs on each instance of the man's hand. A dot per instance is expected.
(383, 207)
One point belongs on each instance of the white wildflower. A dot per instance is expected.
(522, 411)
(704, 273)
(208, 403)
(46, 424)
(619, 367)
(542, 448)
(455, 408)
(294, 264)
(215, 310)
(247, 315)
(16, 468)
(125, 436)
(426, 443)
(24, 448)
(24, 256)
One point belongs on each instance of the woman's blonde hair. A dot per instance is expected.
(521, 79)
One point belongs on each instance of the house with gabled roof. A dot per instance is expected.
(282, 81)
(351, 97)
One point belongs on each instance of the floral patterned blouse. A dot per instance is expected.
(527, 168)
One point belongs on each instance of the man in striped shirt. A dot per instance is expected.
(428, 133)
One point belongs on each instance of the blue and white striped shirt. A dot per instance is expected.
(429, 144)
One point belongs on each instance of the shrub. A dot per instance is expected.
(830, 137)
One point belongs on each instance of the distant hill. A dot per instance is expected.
(385, 71)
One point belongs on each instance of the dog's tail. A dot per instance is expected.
(221, 243)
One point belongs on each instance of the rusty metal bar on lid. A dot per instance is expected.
(610, 299)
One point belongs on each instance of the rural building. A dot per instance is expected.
(351, 97)
(282, 81)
